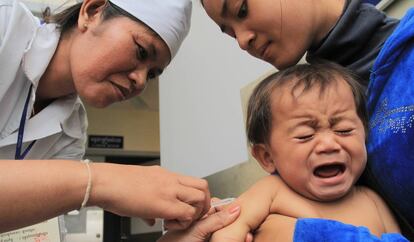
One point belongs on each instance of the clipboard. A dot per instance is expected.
(47, 231)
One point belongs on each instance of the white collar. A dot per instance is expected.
(40, 52)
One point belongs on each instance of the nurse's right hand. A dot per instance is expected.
(149, 192)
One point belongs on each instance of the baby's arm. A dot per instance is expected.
(255, 207)
(388, 220)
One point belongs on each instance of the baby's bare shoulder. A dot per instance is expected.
(272, 179)
(270, 185)
(368, 193)
(385, 214)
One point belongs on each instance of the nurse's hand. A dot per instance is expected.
(202, 229)
(149, 192)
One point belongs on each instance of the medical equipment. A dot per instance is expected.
(222, 202)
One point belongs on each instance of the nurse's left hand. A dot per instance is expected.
(201, 230)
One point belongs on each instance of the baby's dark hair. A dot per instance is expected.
(321, 74)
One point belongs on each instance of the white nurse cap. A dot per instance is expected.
(170, 19)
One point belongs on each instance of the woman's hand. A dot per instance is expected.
(201, 230)
(149, 192)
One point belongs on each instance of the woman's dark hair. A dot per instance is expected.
(68, 18)
(306, 76)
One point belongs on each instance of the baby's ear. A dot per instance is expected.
(264, 157)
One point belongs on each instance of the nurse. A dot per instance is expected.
(379, 49)
(101, 52)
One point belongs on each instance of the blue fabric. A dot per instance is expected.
(374, 2)
(321, 230)
(391, 111)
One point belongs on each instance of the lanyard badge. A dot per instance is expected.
(19, 155)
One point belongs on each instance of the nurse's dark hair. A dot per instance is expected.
(68, 18)
(321, 74)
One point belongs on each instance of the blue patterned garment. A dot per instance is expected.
(309, 230)
(391, 112)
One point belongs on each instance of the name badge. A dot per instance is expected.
(47, 231)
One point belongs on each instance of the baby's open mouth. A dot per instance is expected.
(328, 171)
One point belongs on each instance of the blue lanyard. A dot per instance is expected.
(19, 155)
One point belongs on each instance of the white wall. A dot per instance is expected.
(202, 128)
